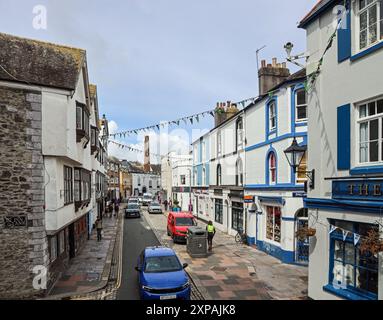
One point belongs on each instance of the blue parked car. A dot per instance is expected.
(161, 275)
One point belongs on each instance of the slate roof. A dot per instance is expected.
(39, 63)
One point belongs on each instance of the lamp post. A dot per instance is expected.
(295, 154)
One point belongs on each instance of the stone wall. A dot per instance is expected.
(23, 239)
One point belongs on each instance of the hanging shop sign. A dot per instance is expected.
(365, 190)
(299, 195)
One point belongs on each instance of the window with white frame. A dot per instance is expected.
(183, 179)
(272, 116)
(219, 175)
(219, 143)
(301, 104)
(203, 176)
(370, 21)
(370, 125)
(272, 168)
(239, 133)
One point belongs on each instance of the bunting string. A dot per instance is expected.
(132, 149)
(192, 119)
(345, 233)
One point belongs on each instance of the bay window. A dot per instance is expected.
(370, 16)
(94, 139)
(82, 186)
(370, 128)
(82, 121)
(273, 224)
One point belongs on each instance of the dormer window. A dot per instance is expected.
(370, 16)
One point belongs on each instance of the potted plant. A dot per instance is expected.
(372, 242)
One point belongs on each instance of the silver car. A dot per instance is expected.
(154, 207)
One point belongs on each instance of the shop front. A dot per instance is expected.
(272, 222)
(346, 252)
(201, 203)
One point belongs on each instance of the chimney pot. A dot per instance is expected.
(263, 63)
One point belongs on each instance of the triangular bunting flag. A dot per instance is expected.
(191, 120)
(211, 113)
(356, 239)
(345, 234)
(332, 229)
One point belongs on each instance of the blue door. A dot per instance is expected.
(303, 245)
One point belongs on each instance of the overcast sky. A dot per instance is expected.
(158, 60)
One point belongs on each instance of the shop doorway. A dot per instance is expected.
(71, 240)
(302, 245)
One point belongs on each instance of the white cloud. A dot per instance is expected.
(112, 126)
(161, 143)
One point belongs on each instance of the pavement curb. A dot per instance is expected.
(197, 283)
(104, 276)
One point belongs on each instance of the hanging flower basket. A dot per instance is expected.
(372, 243)
(303, 233)
(311, 232)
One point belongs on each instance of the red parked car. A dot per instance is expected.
(178, 224)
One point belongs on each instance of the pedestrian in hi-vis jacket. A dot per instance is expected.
(210, 234)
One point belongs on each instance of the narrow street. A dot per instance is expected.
(137, 236)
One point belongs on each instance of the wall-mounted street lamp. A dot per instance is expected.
(289, 48)
(295, 154)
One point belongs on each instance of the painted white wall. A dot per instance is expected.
(337, 85)
(145, 178)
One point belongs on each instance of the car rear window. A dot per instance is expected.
(162, 264)
(133, 206)
(185, 222)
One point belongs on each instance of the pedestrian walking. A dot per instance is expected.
(116, 209)
(210, 234)
(166, 205)
(170, 205)
(98, 224)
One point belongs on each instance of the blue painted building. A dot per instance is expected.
(273, 192)
(345, 126)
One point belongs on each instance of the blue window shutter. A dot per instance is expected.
(344, 137)
(344, 39)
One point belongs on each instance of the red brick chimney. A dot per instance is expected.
(271, 75)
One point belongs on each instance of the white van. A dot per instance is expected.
(147, 199)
